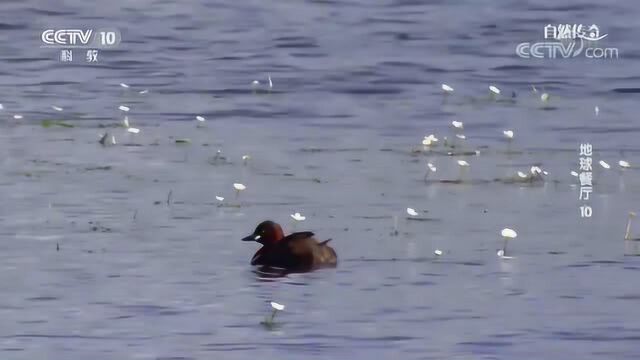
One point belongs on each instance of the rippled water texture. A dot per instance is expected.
(143, 275)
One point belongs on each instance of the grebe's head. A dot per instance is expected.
(266, 233)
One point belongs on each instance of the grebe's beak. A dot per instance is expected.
(251, 237)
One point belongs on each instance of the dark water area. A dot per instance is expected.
(141, 274)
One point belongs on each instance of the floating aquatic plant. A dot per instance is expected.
(507, 234)
(124, 108)
(537, 171)
(430, 140)
(463, 165)
(269, 321)
(200, 118)
(298, 217)
(544, 97)
(239, 187)
(624, 164)
(219, 198)
(447, 89)
(457, 124)
(437, 252)
(50, 123)
(494, 90)
(412, 212)
(508, 134)
(133, 130)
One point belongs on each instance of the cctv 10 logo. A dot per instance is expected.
(89, 38)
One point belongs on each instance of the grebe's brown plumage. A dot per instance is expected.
(298, 251)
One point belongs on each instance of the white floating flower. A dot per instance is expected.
(298, 217)
(521, 174)
(200, 118)
(624, 164)
(536, 170)
(124, 85)
(17, 116)
(124, 108)
(412, 212)
(438, 252)
(270, 82)
(56, 108)
(457, 124)
(277, 306)
(508, 134)
(431, 167)
(463, 163)
(494, 89)
(544, 97)
(447, 88)
(573, 173)
(604, 164)
(429, 140)
(142, 92)
(125, 121)
(509, 233)
(239, 187)
(461, 136)
(133, 130)
(219, 198)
